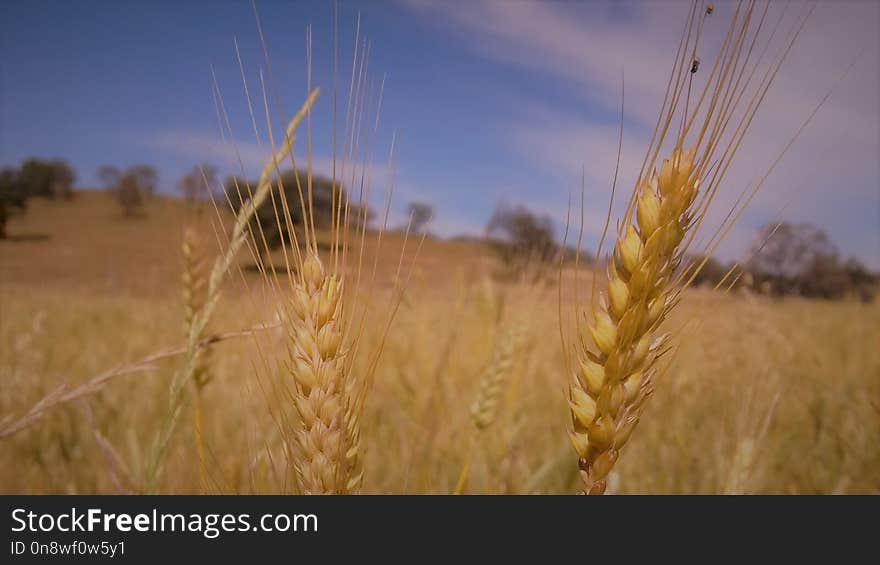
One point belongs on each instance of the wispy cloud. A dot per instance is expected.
(829, 177)
(210, 147)
(251, 156)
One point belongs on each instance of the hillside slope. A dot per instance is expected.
(88, 245)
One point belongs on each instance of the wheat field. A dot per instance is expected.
(170, 351)
(764, 396)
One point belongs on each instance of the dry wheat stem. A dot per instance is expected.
(193, 300)
(619, 344)
(317, 364)
(117, 469)
(325, 455)
(218, 273)
(64, 393)
(316, 301)
(613, 380)
(193, 282)
(485, 407)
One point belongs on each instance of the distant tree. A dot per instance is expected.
(146, 179)
(238, 191)
(787, 249)
(63, 177)
(419, 214)
(35, 178)
(197, 184)
(801, 259)
(825, 277)
(131, 186)
(521, 238)
(12, 196)
(47, 179)
(863, 282)
(129, 195)
(782, 254)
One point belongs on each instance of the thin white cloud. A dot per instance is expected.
(830, 175)
(210, 147)
(252, 156)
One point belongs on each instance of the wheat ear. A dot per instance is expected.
(323, 320)
(613, 380)
(484, 409)
(193, 280)
(194, 287)
(355, 394)
(614, 375)
(485, 406)
(317, 363)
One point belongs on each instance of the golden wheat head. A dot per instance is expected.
(613, 380)
(615, 355)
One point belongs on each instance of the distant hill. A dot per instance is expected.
(88, 245)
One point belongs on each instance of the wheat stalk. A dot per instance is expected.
(328, 396)
(63, 394)
(193, 281)
(614, 379)
(221, 267)
(317, 364)
(485, 407)
(323, 322)
(619, 343)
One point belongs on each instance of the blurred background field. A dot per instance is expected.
(764, 395)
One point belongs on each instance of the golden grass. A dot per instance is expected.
(820, 359)
(824, 433)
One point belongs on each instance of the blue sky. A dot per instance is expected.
(491, 100)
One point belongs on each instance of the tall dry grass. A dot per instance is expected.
(822, 434)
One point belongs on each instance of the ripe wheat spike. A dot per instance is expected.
(485, 407)
(614, 380)
(318, 290)
(194, 288)
(317, 364)
(614, 362)
(193, 280)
